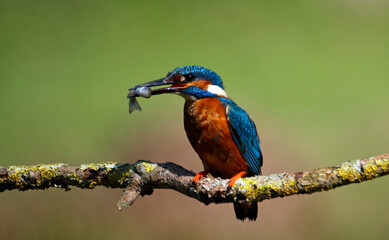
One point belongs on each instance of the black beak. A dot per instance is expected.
(134, 92)
(158, 82)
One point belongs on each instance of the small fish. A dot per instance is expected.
(137, 92)
(134, 105)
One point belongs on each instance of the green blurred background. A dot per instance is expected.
(313, 75)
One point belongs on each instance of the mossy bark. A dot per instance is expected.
(143, 176)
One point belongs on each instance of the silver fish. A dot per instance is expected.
(137, 92)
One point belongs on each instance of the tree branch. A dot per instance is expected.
(143, 176)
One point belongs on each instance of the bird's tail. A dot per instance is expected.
(246, 210)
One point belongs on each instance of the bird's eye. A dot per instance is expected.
(189, 77)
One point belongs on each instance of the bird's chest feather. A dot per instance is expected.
(205, 120)
(208, 131)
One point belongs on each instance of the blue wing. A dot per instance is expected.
(245, 135)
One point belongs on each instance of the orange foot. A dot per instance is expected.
(234, 178)
(200, 175)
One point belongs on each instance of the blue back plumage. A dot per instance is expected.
(244, 133)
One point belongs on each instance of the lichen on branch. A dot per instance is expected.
(142, 177)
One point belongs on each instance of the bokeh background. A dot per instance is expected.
(313, 75)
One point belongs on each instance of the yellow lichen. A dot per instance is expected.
(350, 171)
(123, 176)
(383, 163)
(18, 173)
(287, 187)
(92, 183)
(149, 166)
(370, 169)
(47, 172)
(251, 187)
(15, 174)
(96, 166)
(256, 188)
(93, 166)
(118, 173)
(310, 188)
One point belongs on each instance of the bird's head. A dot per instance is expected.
(191, 82)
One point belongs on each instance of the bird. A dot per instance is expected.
(222, 133)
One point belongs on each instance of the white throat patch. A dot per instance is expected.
(215, 89)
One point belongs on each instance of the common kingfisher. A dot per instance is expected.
(221, 133)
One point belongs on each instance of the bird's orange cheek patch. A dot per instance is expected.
(178, 85)
(202, 84)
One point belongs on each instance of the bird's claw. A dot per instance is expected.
(235, 178)
(200, 175)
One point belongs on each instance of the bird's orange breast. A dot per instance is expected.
(208, 131)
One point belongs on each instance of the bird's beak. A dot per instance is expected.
(174, 87)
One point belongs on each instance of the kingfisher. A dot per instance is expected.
(221, 133)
